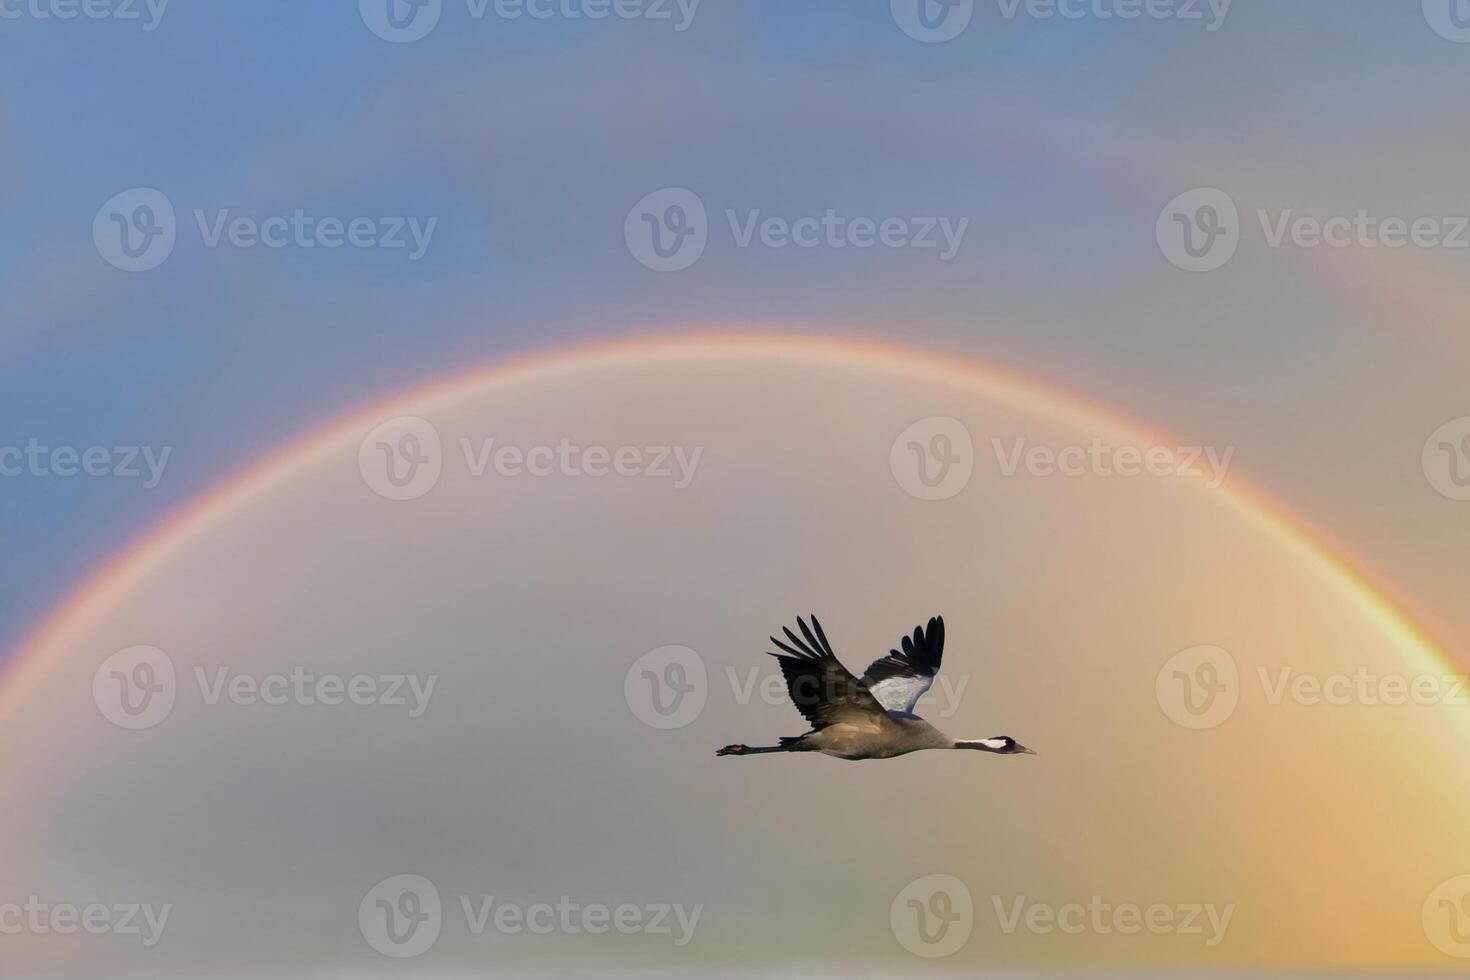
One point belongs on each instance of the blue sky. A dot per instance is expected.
(529, 140)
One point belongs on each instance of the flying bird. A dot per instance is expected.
(871, 717)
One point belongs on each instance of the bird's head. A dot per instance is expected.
(1000, 744)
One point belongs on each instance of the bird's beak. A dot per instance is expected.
(1026, 751)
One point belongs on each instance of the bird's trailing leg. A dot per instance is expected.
(752, 749)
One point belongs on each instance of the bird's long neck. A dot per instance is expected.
(983, 744)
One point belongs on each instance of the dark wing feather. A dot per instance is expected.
(823, 690)
(901, 678)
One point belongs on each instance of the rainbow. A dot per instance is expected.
(112, 583)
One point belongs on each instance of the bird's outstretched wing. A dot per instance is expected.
(901, 678)
(821, 688)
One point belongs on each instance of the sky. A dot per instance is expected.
(1045, 173)
(527, 758)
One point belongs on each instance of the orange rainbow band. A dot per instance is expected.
(26, 667)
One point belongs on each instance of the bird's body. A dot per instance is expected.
(869, 717)
(899, 735)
